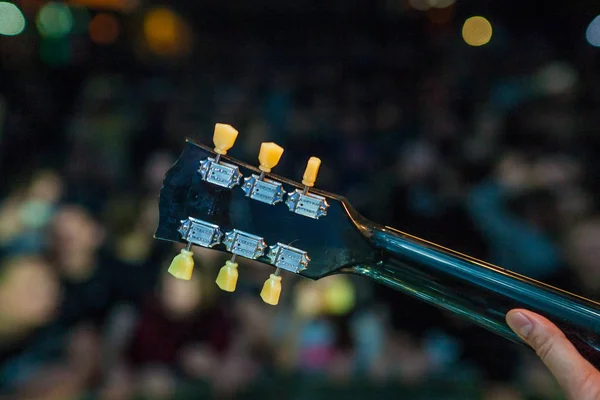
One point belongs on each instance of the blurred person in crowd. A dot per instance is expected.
(180, 313)
(582, 247)
(132, 222)
(66, 353)
(310, 339)
(182, 334)
(321, 331)
(429, 202)
(516, 213)
(76, 238)
(29, 299)
(155, 168)
(24, 214)
(93, 279)
(69, 376)
(402, 357)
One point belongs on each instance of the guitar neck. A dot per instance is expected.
(319, 234)
(475, 290)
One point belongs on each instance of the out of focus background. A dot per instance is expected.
(473, 124)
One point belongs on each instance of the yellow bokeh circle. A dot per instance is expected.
(477, 31)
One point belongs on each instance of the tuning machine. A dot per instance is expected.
(243, 244)
(258, 187)
(304, 203)
(197, 232)
(213, 170)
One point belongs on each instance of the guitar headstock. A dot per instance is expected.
(211, 200)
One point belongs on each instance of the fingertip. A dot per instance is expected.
(526, 313)
(519, 322)
(535, 319)
(528, 325)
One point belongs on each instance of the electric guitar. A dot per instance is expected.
(211, 200)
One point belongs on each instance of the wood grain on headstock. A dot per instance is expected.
(332, 242)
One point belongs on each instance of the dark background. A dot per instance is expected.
(489, 150)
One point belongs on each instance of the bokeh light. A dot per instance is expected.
(556, 78)
(54, 20)
(477, 31)
(104, 29)
(339, 296)
(12, 21)
(166, 33)
(592, 33)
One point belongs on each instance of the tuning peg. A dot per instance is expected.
(182, 265)
(272, 289)
(269, 156)
(228, 276)
(224, 138)
(259, 188)
(304, 203)
(310, 173)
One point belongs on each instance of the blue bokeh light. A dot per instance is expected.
(592, 33)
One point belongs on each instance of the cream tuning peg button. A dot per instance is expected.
(228, 276)
(211, 170)
(224, 138)
(271, 290)
(311, 172)
(269, 156)
(258, 187)
(182, 265)
(304, 203)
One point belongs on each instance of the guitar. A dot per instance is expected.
(211, 200)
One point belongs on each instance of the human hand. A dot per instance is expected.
(575, 375)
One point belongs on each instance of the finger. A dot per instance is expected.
(578, 378)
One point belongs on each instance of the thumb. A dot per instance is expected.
(576, 376)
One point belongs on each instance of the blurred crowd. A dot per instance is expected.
(487, 151)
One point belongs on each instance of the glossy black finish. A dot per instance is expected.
(477, 291)
(332, 241)
(345, 242)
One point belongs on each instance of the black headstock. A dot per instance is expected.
(332, 242)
